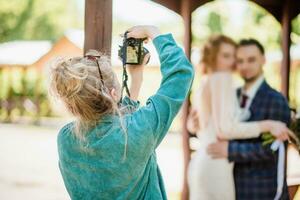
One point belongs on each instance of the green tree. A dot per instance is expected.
(214, 22)
(296, 30)
(254, 21)
(37, 19)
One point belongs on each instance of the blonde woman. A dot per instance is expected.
(220, 117)
(105, 154)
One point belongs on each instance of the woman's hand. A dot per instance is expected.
(136, 75)
(143, 32)
(277, 129)
(136, 71)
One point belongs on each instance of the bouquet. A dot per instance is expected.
(294, 134)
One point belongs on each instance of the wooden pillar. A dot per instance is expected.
(186, 15)
(286, 42)
(98, 25)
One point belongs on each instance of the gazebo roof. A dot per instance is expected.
(273, 6)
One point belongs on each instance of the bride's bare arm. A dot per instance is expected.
(223, 111)
(223, 107)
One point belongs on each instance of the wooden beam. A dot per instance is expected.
(198, 3)
(186, 14)
(286, 43)
(173, 5)
(98, 25)
(274, 7)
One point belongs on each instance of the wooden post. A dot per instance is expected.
(187, 19)
(98, 25)
(186, 15)
(286, 42)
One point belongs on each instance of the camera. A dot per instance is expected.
(132, 51)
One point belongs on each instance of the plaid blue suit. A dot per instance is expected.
(255, 170)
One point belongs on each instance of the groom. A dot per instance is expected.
(255, 169)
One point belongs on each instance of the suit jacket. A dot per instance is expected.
(255, 170)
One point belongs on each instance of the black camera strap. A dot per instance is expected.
(125, 74)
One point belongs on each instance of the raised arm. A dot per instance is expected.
(177, 75)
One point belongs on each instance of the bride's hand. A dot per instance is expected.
(278, 129)
(193, 124)
(136, 74)
(218, 150)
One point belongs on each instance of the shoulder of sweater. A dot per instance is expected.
(66, 129)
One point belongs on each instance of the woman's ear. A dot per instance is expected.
(114, 94)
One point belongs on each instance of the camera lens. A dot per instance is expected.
(129, 42)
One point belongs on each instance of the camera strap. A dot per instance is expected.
(125, 74)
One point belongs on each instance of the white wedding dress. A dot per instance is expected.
(220, 116)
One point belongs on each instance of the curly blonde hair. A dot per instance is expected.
(84, 90)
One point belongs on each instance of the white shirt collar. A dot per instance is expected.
(251, 92)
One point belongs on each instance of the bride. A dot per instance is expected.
(220, 116)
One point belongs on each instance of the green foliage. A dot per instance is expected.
(214, 22)
(296, 25)
(258, 17)
(18, 86)
(36, 19)
(296, 30)
(253, 21)
(294, 135)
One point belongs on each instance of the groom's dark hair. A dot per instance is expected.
(251, 41)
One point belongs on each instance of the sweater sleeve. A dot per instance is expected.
(161, 108)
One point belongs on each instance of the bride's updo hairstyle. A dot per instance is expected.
(211, 49)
